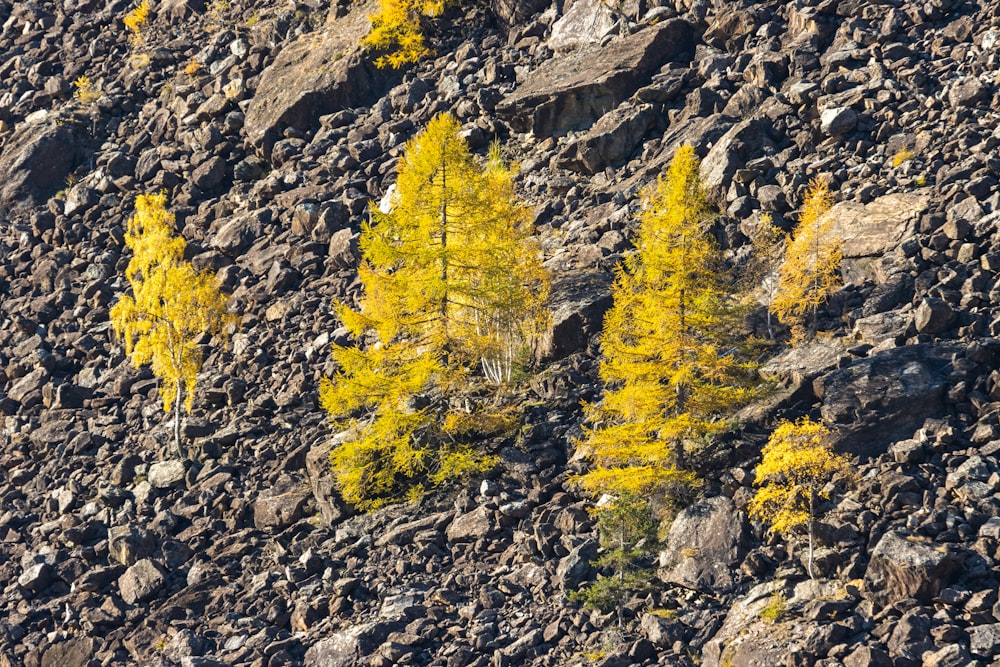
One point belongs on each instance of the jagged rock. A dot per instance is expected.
(73, 652)
(745, 639)
(585, 22)
(661, 631)
(745, 140)
(575, 567)
(885, 397)
(984, 640)
(573, 91)
(933, 316)
(129, 544)
(611, 140)
(578, 302)
(141, 581)
(838, 121)
(281, 507)
(953, 655)
(872, 230)
(706, 542)
(36, 577)
(322, 72)
(867, 656)
(345, 648)
(324, 490)
(471, 526)
(903, 568)
(516, 12)
(167, 474)
(36, 159)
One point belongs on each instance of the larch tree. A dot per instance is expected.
(798, 463)
(453, 281)
(397, 33)
(674, 361)
(810, 271)
(171, 307)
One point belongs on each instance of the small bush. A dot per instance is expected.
(136, 20)
(775, 609)
(902, 155)
(87, 92)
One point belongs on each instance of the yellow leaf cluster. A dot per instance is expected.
(673, 361)
(396, 30)
(87, 92)
(810, 272)
(797, 465)
(768, 246)
(136, 20)
(171, 307)
(452, 281)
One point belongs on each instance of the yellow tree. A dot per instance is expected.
(172, 306)
(797, 466)
(674, 362)
(810, 272)
(396, 30)
(452, 281)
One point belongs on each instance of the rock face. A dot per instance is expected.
(885, 397)
(706, 543)
(903, 568)
(572, 92)
(36, 159)
(319, 74)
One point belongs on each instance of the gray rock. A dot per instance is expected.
(867, 656)
(129, 544)
(611, 140)
(883, 398)
(573, 91)
(984, 640)
(933, 316)
(838, 121)
(209, 173)
(141, 582)
(471, 526)
(904, 568)
(661, 631)
(966, 92)
(322, 72)
(346, 648)
(36, 160)
(575, 568)
(578, 302)
(953, 655)
(72, 652)
(36, 577)
(706, 542)
(585, 22)
(167, 474)
(280, 509)
(742, 142)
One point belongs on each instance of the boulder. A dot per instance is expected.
(933, 316)
(167, 474)
(984, 640)
(611, 140)
(743, 142)
(883, 398)
(471, 526)
(577, 302)
(129, 544)
(514, 13)
(73, 652)
(141, 582)
(36, 160)
(571, 92)
(347, 647)
(322, 72)
(324, 490)
(280, 507)
(838, 121)
(902, 567)
(872, 230)
(706, 543)
(585, 22)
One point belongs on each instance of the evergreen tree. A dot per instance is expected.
(674, 363)
(172, 306)
(452, 281)
(797, 466)
(810, 272)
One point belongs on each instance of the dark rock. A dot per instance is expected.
(578, 303)
(706, 542)
(933, 316)
(141, 582)
(903, 568)
(572, 92)
(320, 73)
(73, 652)
(36, 160)
(471, 526)
(281, 507)
(611, 140)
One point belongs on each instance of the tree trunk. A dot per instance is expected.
(810, 561)
(177, 423)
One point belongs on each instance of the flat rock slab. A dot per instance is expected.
(571, 92)
(167, 474)
(345, 648)
(706, 542)
(884, 398)
(903, 568)
(320, 73)
(871, 230)
(141, 582)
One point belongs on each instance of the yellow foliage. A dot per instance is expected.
(452, 280)
(193, 68)
(396, 30)
(674, 363)
(810, 271)
(136, 20)
(902, 155)
(797, 465)
(87, 92)
(171, 307)
(768, 245)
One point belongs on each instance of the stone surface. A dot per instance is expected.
(572, 92)
(167, 474)
(585, 22)
(36, 159)
(705, 545)
(908, 568)
(141, 582)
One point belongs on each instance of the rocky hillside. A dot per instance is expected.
(271, 133)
